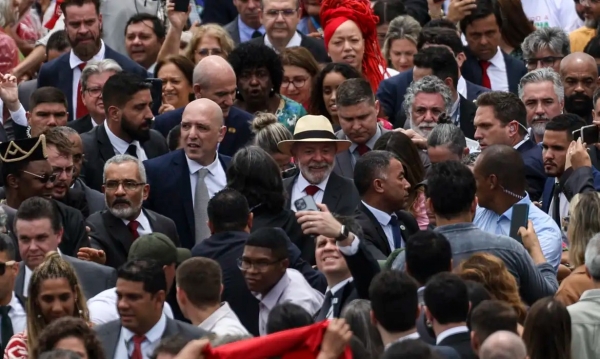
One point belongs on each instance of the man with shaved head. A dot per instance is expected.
(579, 75)
(503, 345)
(184, 180)
(215, 80)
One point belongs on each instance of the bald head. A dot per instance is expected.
(503, 345)
(580, 61)
(204, 107)
(506, 163)
(201, 130)
(211, 67)
(215, 80)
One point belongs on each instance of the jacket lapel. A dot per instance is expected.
(288, 185)
(403, 230)
(332, 195)
(380, 233)
(118, 231)
(181, 169)
(344, 164)
(65, 74)
(20, 280)
(106, 148)
(547, 194)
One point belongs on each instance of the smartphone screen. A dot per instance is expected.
(181, 5)
(156, 92)
(520, 216)
(588, 134)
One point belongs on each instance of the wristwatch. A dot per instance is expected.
(344, 233)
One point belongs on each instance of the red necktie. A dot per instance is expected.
(137, 347)
(311, 190)
(133, 228)
(485, 79)
(362, 149)
(81, 109)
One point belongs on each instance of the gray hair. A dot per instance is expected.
(428, 84)
(98, 67)
(357, 315)
(402, 27)
(8, 14)
(592, 257)
(118, 159)
(503, 345)
(450, 135)
(542, 75)
(551, 38)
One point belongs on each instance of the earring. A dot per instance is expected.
(428, 323)
(28, 132)
(39, 316)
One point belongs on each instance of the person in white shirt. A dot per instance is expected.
(199, 288)
(12, 308)
(264, 264)
(280, 19)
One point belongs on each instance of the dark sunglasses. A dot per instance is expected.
(43, 178)
(4, 265)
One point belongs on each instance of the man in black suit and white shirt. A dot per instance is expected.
(127, 129)
(246, 25)
(281, 18)
(114, 230)
(314, 147)
(141, 289)
(12, 305)
(379, 178)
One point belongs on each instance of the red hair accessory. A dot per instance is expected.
(335, 12)
(300, 343)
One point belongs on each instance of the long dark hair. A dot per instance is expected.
(547, 330)
(515, 24)
(317, 105)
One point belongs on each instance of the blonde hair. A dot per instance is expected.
(584, 223)
(269, 132)
(52, 267)
(214, 30)
(402, 27)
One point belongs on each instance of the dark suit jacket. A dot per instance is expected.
(515, 69)
(93, 277)
(218, 11)
(82, 124)
(315, 46)
(572, 182)
(98, 150)
(391, 93)
(226, 248)
(110, 234)
(237, 122)
(340, 197)
(58, 73)
(460, 342)
(233, 29)
(169, 179)
(109, 333)
(94, 199)
(374, 236)
(534, 168)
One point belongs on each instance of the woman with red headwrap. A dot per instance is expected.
(350, 33)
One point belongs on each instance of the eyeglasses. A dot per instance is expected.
(546, 61)
(128, 185)
(245, 264)
(42, 178)
(94, 91)
(59, 170)
(78, 157)
(4, 265)
(298, 82)
(207, 52)
(274, 14)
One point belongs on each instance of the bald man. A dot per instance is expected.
(503, 345)
(184, 180)
(215, 80)
(579, 75)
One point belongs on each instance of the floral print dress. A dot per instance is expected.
(289, 111)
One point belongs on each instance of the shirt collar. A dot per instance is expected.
(117, 142)
(449, 332)
(74, 61)
(209, 323)
(414, 335)
(195, 166)
(461, 87)
(142, 220)
(370, 143)
(382, 217)
(303, 183)
(295, 41)
(247, 30)
(270, 299)
(525, 139)
(498, 59)
(455, 105)
(339, 286)
(153, 335)
(508, 213)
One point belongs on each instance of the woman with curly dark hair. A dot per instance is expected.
(259, 74)
(71, 334)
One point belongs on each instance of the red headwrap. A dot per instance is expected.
(301, 343)
(55, 16)
(336, 12)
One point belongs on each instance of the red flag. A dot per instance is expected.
(300, 343)
(57, 12)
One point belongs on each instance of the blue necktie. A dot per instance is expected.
(397, 235)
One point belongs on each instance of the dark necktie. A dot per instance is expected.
(327, 307)
(256, 34)
(6, 326)
(81, 110)
(485, 79)
(362, 149)
(311, 190)
(137, 347)
(397, 235)
(133, 228)
(132, 150)
(556, 204)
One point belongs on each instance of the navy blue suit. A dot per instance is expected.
(515, 69)
(58, 73)
(171, 194)
(237, 122)
(391, 92)
(573, 182)
(531, 153)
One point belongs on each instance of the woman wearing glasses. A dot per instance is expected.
(299, 70)
(209, 39)
(54, 292)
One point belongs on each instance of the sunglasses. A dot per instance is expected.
(43, 178)
(4, 265)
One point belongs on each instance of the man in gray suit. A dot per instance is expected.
(141, 289)
(246, 25)
(39, 230)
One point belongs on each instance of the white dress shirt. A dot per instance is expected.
(19, 116)
(103, 307)
(449, 332)
(497, 72)
(293, 288)
(17, 315)
(299, 187)
(125, 344)
(295, 41)
(384, 220)
(120, 147)
(336, 288)
(144, 227)
(461, 87)
(223, 322)
(215, 180)
(74, 61)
